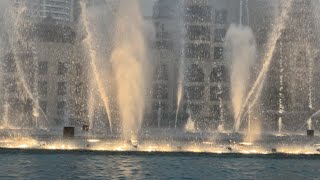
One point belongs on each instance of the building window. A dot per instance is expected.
(62, 88)
(160, 91)
(62, 68)
(43, 106)
(198, 51)
(43, 88)
(194, 92)
(43, 67)
(219, 35)
(194, 108)
(199, 33)
(161, 73)
(215, 94)
(216, 111)
(218, 53)
(221, 17)
(61, 106)
(9, 64)
(218, 74)
(160, 105)
(195, 74)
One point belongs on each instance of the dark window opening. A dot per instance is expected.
(221, 17)
(218, 74)
(43, 88)
(195, 74)
(198, 51)
(43, 106)
(219, 35)
(161, 73)
(194, 92)
(43, 67)
(9, 63)
(218, 53)
(61, 106)
(160, 91)
(199, 33)
(62, 88)
(215, 94)
(62, 68)
(162, 105)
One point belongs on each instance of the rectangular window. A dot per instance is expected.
(62, 68)
(43, 67)
(62, 88)
(199, 33)
(218, 53)
(221, 17)
(194, 92)
(215, 94)
(198, 51)
(219, 35)
(160, 91)
(61, 106)
(43, 106)
(43, 88)
(9, 64)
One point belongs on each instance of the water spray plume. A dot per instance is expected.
(271, 46)
(88, 42)
(241, 52)
(129, 64)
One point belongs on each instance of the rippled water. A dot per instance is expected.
(106, 165)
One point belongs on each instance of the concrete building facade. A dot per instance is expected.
(192, 33)
(44, 79)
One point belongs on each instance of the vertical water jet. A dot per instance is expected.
(281, 89)
(241, 54)
(129, 64)
(89, 43)
(275, 34)
(182, 60)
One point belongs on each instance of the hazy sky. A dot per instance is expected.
(147, 7)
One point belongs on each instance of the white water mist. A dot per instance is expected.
(130, 66)
(182, 60)
(271, 45)
(96, 74)
(241, 52)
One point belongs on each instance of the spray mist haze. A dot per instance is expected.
(241, 53)
(129, 63)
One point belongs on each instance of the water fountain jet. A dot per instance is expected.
(268, 56)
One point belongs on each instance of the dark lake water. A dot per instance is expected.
(17, 164)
